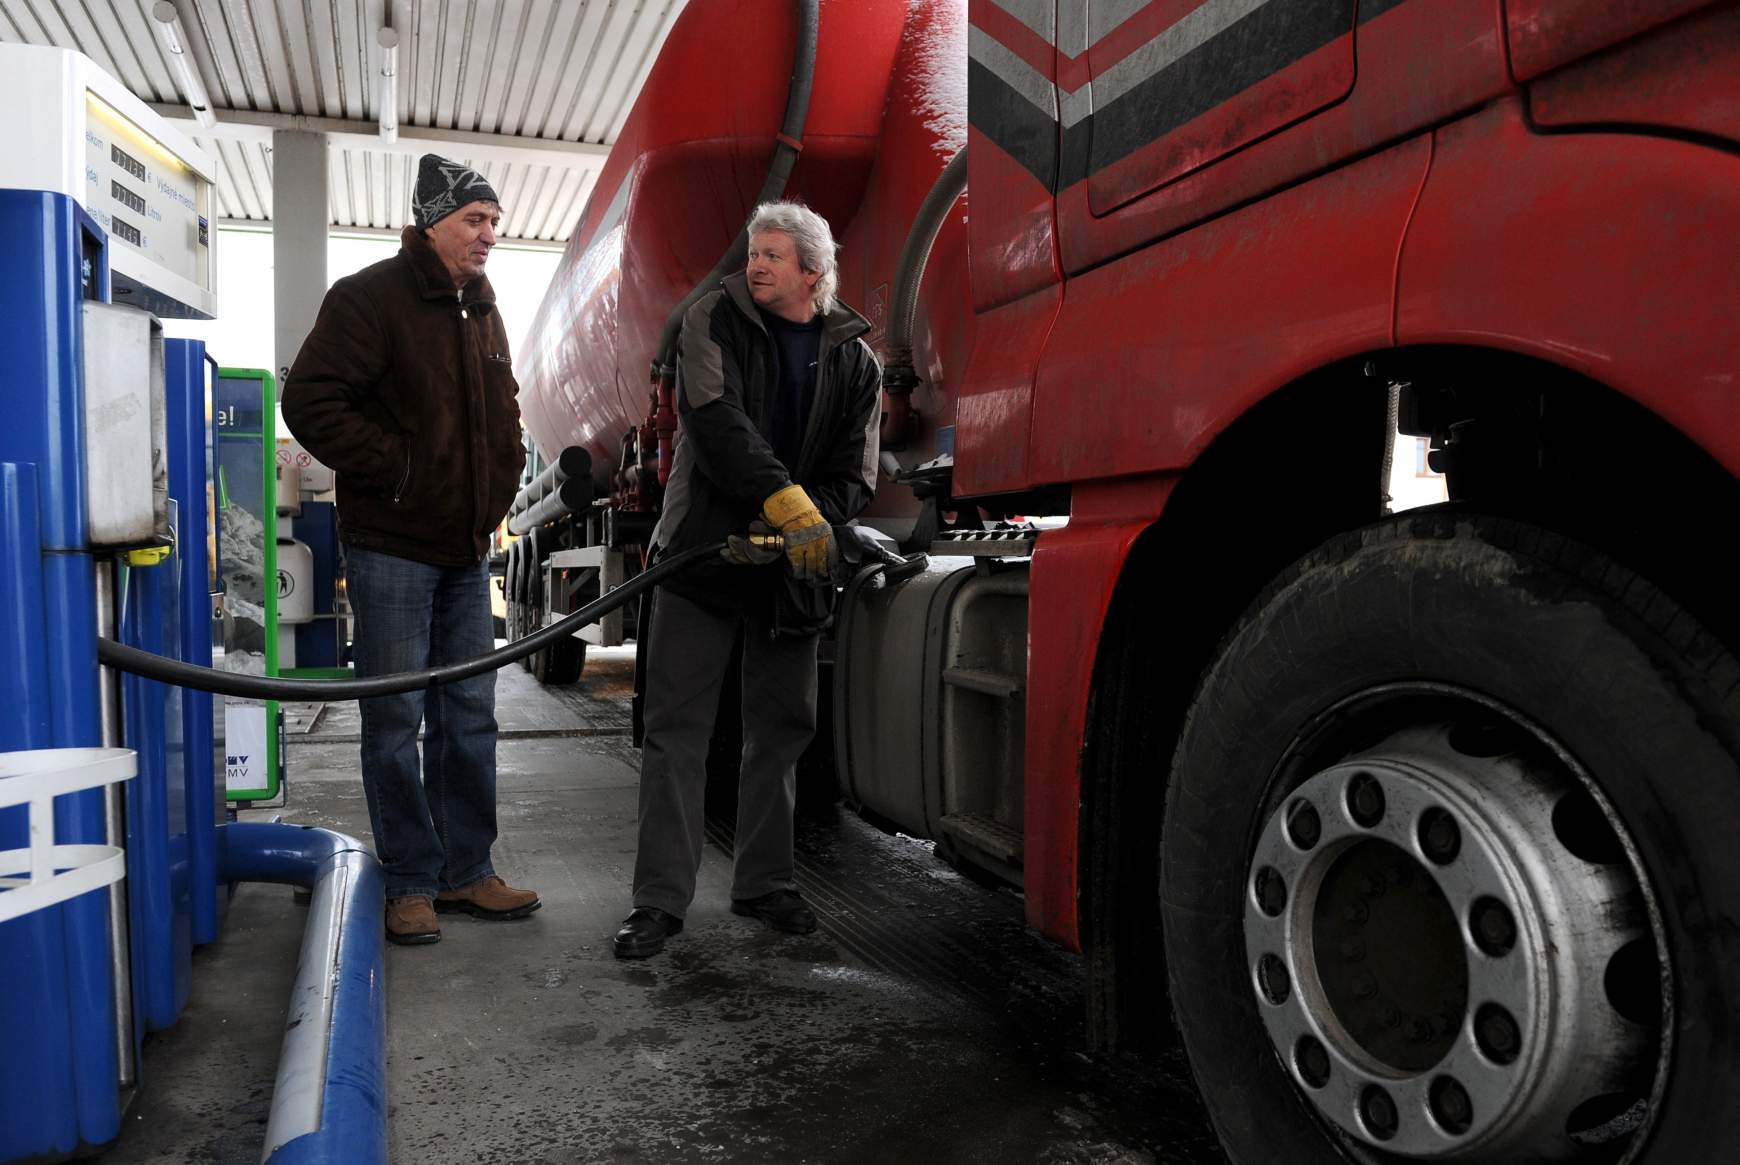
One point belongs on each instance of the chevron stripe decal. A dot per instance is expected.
(1161, 64)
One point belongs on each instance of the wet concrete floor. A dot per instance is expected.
(923, 1022)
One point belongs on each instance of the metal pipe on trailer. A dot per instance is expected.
(570, 497)
(572, 464)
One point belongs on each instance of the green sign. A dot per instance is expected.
(244, 403)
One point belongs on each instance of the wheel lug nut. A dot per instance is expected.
(1271, 892)
(1493, 926)
(1353, 951)
(1440, 838)
(1356, 913)
(1379, 1112)
(1304, 827)
(1312, 1061)
(1451, 1107)
(1365, 799)
(1365, 985)
(1496, 1034)
(1420, 1031)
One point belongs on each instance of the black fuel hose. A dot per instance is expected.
(206, 679)
(785, 156)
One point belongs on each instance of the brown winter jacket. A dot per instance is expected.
(406, 390)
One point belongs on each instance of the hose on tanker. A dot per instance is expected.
(785, 153)
(903, 311)
(899, 377)
(205, 679)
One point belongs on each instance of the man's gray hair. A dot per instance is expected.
(814, 239)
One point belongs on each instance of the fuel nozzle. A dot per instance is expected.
(854, 547)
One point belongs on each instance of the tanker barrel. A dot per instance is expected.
(569, 497)
(572, 462)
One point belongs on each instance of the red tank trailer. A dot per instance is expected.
(1417, 827)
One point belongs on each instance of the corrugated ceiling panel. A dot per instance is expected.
(213, 45)
(379, 180)
(323, 44)
(244, 178)
(607, 53)
(626, 94)
(263, 35)
(256, 175)
(526, 77)
(557, 69)
(143, 47)
(583, 52)
(498, 73)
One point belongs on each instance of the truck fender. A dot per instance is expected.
(1607, 253)
(1075, 572)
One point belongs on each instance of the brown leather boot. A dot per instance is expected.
(489, 898)
(411, 921)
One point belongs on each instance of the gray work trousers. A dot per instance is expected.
(686, 658)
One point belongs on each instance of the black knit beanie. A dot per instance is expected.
(443, 187)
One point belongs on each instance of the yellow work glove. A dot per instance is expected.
(809, 540)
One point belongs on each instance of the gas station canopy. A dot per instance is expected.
(530, 92)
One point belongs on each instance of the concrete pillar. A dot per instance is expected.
(299, 218)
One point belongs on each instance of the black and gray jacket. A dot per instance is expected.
(724, 466)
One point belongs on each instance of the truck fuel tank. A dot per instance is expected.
(930, 681)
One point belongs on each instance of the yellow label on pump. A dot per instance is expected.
(147, 556)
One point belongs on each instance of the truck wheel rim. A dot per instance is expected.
(1453, 952)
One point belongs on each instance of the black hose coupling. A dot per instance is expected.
(899, 377)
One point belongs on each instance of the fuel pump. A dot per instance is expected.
(108, 802)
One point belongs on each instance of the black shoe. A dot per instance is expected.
(781, 909)
(644, 932)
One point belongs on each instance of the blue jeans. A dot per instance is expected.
(434, 833)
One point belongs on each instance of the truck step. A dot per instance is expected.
(986, 834)
(991, 683)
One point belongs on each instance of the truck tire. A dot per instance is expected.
(513, 582)
(532, 556)
(1448, 863)
(560, 663)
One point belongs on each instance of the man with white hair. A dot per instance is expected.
(778, 402)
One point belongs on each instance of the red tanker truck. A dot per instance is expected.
(1418, 828)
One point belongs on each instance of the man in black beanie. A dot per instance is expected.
(406, 389)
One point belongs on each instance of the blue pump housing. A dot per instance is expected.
(59, 1081)
(67, 1075)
